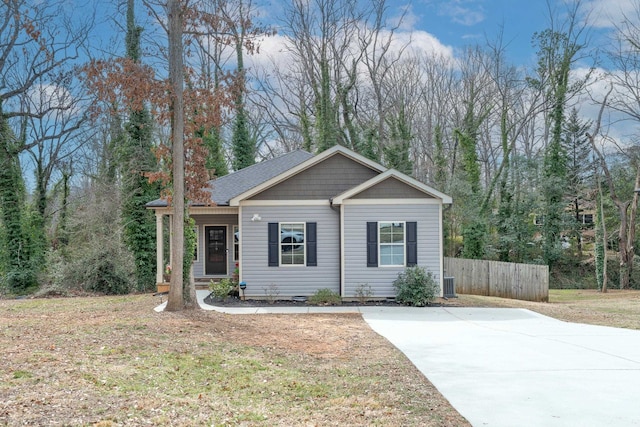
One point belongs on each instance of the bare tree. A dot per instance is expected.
(39, 44)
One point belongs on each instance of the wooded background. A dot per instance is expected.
(541, 160)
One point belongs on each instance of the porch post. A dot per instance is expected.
(159, 248)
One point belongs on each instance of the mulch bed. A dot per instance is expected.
(299, 302)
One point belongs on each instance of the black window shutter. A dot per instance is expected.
(274, 244)
(311, 241)
(372, 244)
(412, 244)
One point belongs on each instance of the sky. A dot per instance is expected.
(446, 25)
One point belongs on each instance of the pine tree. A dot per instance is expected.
(579, 169)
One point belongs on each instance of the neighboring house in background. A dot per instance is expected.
(298, 223)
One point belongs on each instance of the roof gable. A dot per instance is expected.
(336, 150)
(321, 181)
(394, 178)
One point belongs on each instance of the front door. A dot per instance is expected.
(215, 250)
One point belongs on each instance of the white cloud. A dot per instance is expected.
(275, 50)
(610, 13)
(406, 19)
(463, 12)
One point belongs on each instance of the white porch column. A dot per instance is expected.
(159, 248)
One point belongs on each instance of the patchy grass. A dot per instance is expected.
(111, 361)
(618, 308)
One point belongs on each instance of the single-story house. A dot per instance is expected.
(298, 223)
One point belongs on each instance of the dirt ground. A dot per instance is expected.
(109, 361)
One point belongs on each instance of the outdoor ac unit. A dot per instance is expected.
(449, 290)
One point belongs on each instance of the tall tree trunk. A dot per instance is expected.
(631, 232)
(600, 251)
(176, 300)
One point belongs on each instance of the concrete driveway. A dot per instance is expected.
(514, 367)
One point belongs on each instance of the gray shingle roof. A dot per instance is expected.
(229, 186)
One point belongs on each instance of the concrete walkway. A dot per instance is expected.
(510, 367)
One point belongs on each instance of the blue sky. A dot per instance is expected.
(458, 23)
(465, 22)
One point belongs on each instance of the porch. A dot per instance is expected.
(217, 251)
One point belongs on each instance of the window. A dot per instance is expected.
(392, 243)
(236, 243)
(292, 247)
(292, 243)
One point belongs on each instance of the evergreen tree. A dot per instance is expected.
(579, 169)
(136, 159)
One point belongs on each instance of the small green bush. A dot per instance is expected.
(222, 288)
(416, 287)
(325, 297)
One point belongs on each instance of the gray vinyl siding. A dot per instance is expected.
(289, 281)
(381, 279)
(391, 188)
(223, 220)
(322, 181)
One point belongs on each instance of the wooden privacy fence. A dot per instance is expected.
(527, 282)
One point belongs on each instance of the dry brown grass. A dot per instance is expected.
(618, 308)
(109, 361)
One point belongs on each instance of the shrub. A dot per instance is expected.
(222, 288)
(325, 297)
(106, 269)
(363, 292)
(271, 292)
(416, 287)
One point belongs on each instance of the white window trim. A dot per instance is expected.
(235, 228)
(404, 245)
(304, 244)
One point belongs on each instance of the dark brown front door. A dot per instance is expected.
(215, 250)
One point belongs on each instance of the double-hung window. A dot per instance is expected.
(392, 243)
(292, 243)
